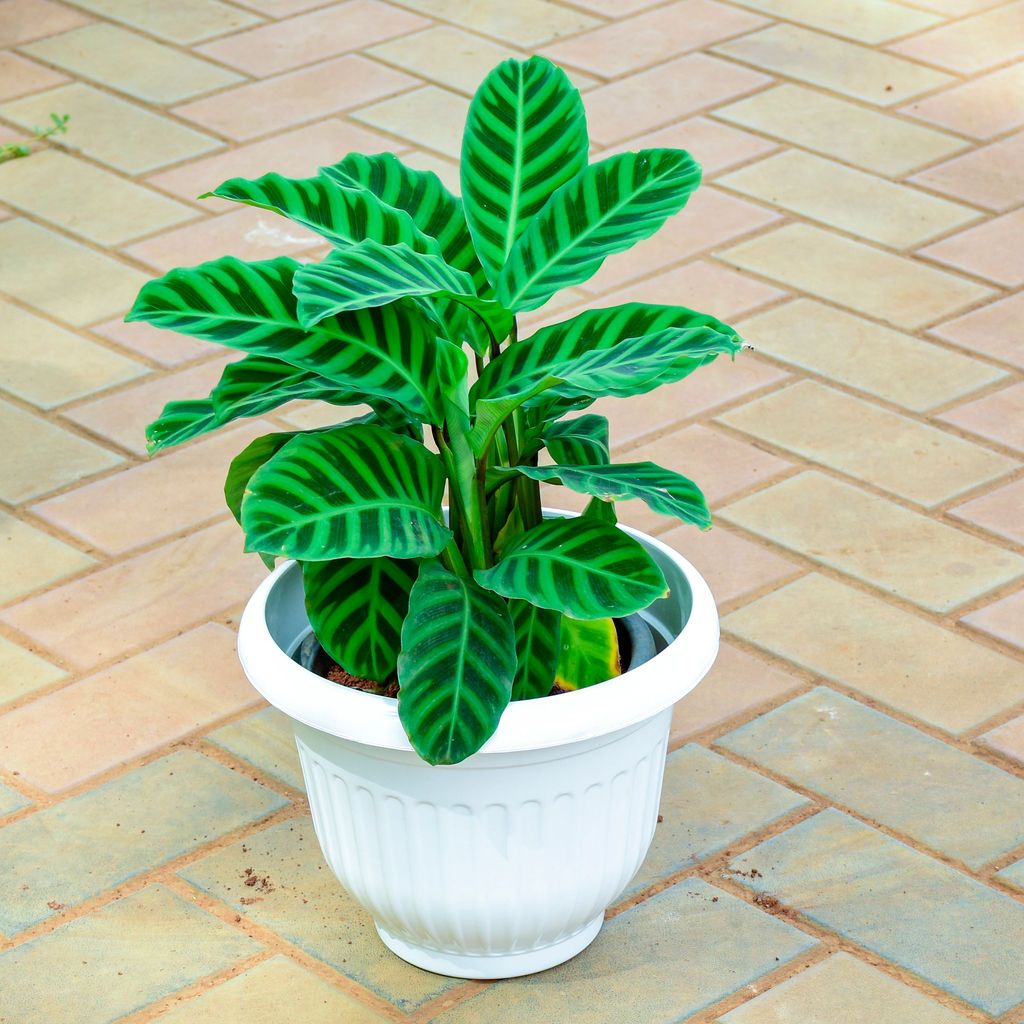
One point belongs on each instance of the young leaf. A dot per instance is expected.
(537, 634)
(588, 653)
(354, 492)
(356, 607)
(582, 567)
(605, 209)
(582, 441)
(456, 666)
(180, 421)
(526, 134)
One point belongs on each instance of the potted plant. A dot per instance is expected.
(486, 816)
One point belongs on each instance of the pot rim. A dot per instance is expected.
(572, 717)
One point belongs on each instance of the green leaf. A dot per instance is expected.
(526, 134)
(242, 467)
(353, 492)
(537, 634)
(605, 209)
(588, 653)
(582, 567)
(343, 216)
(662, 490)
(180, 422)
(456, 666)
(356, 607)
(582, 441)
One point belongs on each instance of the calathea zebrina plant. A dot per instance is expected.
(413, 313)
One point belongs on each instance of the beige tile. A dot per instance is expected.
(864, 355)
(873, 540)
(184, 21)
(19, 76)
(1003, 619)
(112, 130)
(738, 683)
(164, 347)
(307, 38)
(61, 277)
(856, 639)
(47, 365)
(989, 176)
(840, 197)
(168, 495)
(958, 7)
(633, 43)
(126, 711)
(998, 416)
(843, 67)
(33, 559)
(890, 288)
(655, 98)
(872, 22)
(21, 672)
(1008, 739)
(281, 8)
(37, 457)
(994, 330)
(997, 511)
(131, 63)
(854, 134)
(81, 198)
(296, 97)
(972, 44)
(981, 108)
(313, 415)
(141, 600)
(991, 250)
(429, 117)
(615, 8)
(24, 20)
(863, 440)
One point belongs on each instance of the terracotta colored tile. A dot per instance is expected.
(1002, 619)
(185, 21)
(874, 540)
(999, 416)
(112, 130)
(855, 639)
(293, 98)
(428, 116)
(131, 63)
(891, 288)
(990, 250)
(126, 711)
(633, 43)
(994, 330)
(981, 108)
(999, 511)
(63, 365)
(654, 98)
(854, 134)
(21, 671)
(172, 493)
(61, 277)
(863, 440)
(306, 38)
(164, 347)
(33, 559)
(864, 22)
(972, 44)
(861, 354)
(19, 76)
(122, 417)
(846, 68)
(38, 457)
(143, 599)
(840, 197)
(81, 198)
(24, 20)
(986, 177)
(1008, 739)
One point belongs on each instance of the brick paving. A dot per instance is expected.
(843, 833)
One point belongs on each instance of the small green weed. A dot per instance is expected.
(12, 150)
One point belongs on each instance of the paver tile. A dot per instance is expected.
(817, 869)
(855, 639)
(981, 108)
(1002, 619)
(873, 22)
(11, 800)
(21, 671)
(992, 330)
(281, 8)
(138, 821)
(998, 416)
(986, 176)
(1013, 875)
(429, 116)
(266, 740)
(121, 958)
(33, 559)
(991, 250)
(1007, 739)
(185, 21)
(998, 511)
(892, 288)
(24, 20)
(163, 347)
(19, 76)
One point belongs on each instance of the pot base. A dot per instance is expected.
(486, 968)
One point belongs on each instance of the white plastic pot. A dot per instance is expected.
(502, 865)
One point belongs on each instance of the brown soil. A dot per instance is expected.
(330, 669)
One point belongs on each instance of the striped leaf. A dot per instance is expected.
(605, 209)
(356, 607)
(662, 490)
(384, 352)
(456, 666)
(582, 441)
(343, 216)
(180, 422)
(240, 472)
(354, 492)
(582, 567)
(537, 633)
(526, 134)
(588, 653)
